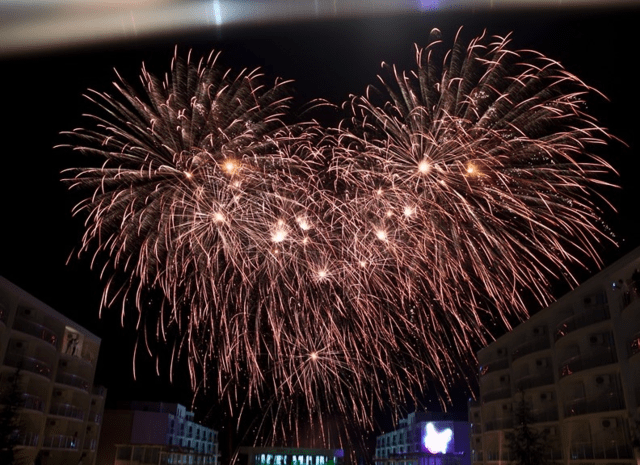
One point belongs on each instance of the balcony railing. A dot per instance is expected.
(586, 361)
(496, 394)
(612, 400)
(27, 439)
(494, 456)
(37, 330)
(31, 364)
(494, 366)
(505, 423)
(99, 391)
(535, 380)
(94, 417)
(31, 402)
(530, 347)
(73, 380)
(90, 444)
(60, 442)
(580, 321)
(589, 451)
(67, 410)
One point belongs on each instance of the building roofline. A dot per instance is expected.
(568, 297)
(28, 298)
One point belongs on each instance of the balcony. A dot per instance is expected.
(496, 394)
(60, 442)
(31, 364)
(90, 444)
(494, 366)
(588, 451)
(67, 410)
(36, 330)
(31, 402)
(535, 380)
(584, 362)
(99, 391)
(505, 423)
(581, 321)
(612, 400)
(94, 417)
(531, 347)
(73, 380)
(27, 439)
(494, 456)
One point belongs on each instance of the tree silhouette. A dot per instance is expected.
(527, 445)
(10, 404)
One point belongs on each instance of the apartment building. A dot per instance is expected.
(425, 438)
(60, 412)
(577, 364)
(156, 433)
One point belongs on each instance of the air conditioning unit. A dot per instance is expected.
(542, 362)
(603, 380)
(596, 339)
(609, 423)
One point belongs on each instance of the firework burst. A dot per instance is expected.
(322, 272)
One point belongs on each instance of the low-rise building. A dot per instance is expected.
(145, 432)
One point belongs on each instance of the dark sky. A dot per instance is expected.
(330, 59)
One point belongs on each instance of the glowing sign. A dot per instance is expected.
(437, 442)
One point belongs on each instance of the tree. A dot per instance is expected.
(527, 445)
(10, 404)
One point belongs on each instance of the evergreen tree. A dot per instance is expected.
(527, 445)
(10, 404)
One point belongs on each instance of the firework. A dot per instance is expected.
(322, 272)
(468, 180)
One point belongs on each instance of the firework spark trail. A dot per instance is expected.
(351, 266)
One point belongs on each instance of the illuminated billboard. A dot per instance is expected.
(438, 439)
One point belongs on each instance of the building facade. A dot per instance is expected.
(60, 412)
(577, 364)
(156, 432)
(425, 439)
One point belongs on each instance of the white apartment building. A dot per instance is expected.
(156, 433)
(577, 363)
(61, 411)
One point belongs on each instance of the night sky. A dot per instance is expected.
(328, 59)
